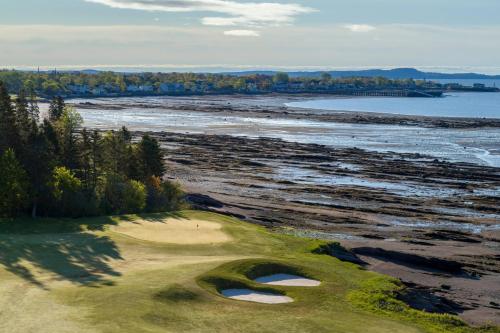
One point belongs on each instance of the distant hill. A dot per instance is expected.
(397, 73)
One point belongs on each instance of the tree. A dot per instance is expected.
(67, 124)
(96, 156)
(151, 158)
(119, 155)
(122, 196)
(66, 191)
(281, 78)
(56, 108)
(86, 164)
(14, 185)
(39, 160)
(162, 196)
(51, 87)
(326, 77)
(9, 133)
(24, 121)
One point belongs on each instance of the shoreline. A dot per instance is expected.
(266, 106)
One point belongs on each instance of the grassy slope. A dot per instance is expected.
(85, 278)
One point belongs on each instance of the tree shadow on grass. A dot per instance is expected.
(161, 217)
(64, 249)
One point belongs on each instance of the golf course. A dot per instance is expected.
(190, 271)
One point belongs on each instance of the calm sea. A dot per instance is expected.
(470, 82)
(474, 105)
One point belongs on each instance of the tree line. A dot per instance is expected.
(72, 83)
(53, 167)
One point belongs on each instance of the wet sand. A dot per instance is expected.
(265, 106)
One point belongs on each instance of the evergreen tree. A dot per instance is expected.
(39, 161)
(151, 158)
(67, 125)
(23, 119)
(14, 185)
(96, 156)
(9, 133)
(33, 110)
(56, 108)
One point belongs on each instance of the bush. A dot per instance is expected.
(134, 197)
(122, 196)
(163, 196)
(66, 190)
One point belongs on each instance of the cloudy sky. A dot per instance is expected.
(448, 35)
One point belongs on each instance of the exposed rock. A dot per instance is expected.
(202, 200)
(414, 260)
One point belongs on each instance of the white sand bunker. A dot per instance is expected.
(174, 230)
(287, 280)
(256, 296)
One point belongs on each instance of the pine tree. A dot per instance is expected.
(39, 162)
(14, 185)
(96, 155)
(23, 118)
(151, 158)
(9, 133)
(56, 108)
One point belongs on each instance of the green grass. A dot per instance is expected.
(88, 278)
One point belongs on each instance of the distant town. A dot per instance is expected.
(112, 84)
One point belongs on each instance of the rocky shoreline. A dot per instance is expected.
(407, 215)
(272, 106)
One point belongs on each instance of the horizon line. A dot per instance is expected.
(214, 68)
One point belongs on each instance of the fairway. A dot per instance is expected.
(167, 272)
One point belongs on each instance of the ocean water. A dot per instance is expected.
(480, 146)
(470, 82)
(470, 105)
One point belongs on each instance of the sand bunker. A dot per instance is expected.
(287, 280)
(174, 230)
(256, 296)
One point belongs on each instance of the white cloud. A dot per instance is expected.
(236, 13)
(242, 33)
(359, 27)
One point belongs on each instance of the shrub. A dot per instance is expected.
(163, 196)
(134, 197)
(122, 196)
(66, 190)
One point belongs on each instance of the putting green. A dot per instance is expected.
(166, 273)
(174, 230)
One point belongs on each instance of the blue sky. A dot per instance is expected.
(202, 34)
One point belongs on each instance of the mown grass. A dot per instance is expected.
(116, 283)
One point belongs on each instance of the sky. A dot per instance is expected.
(213, 35)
